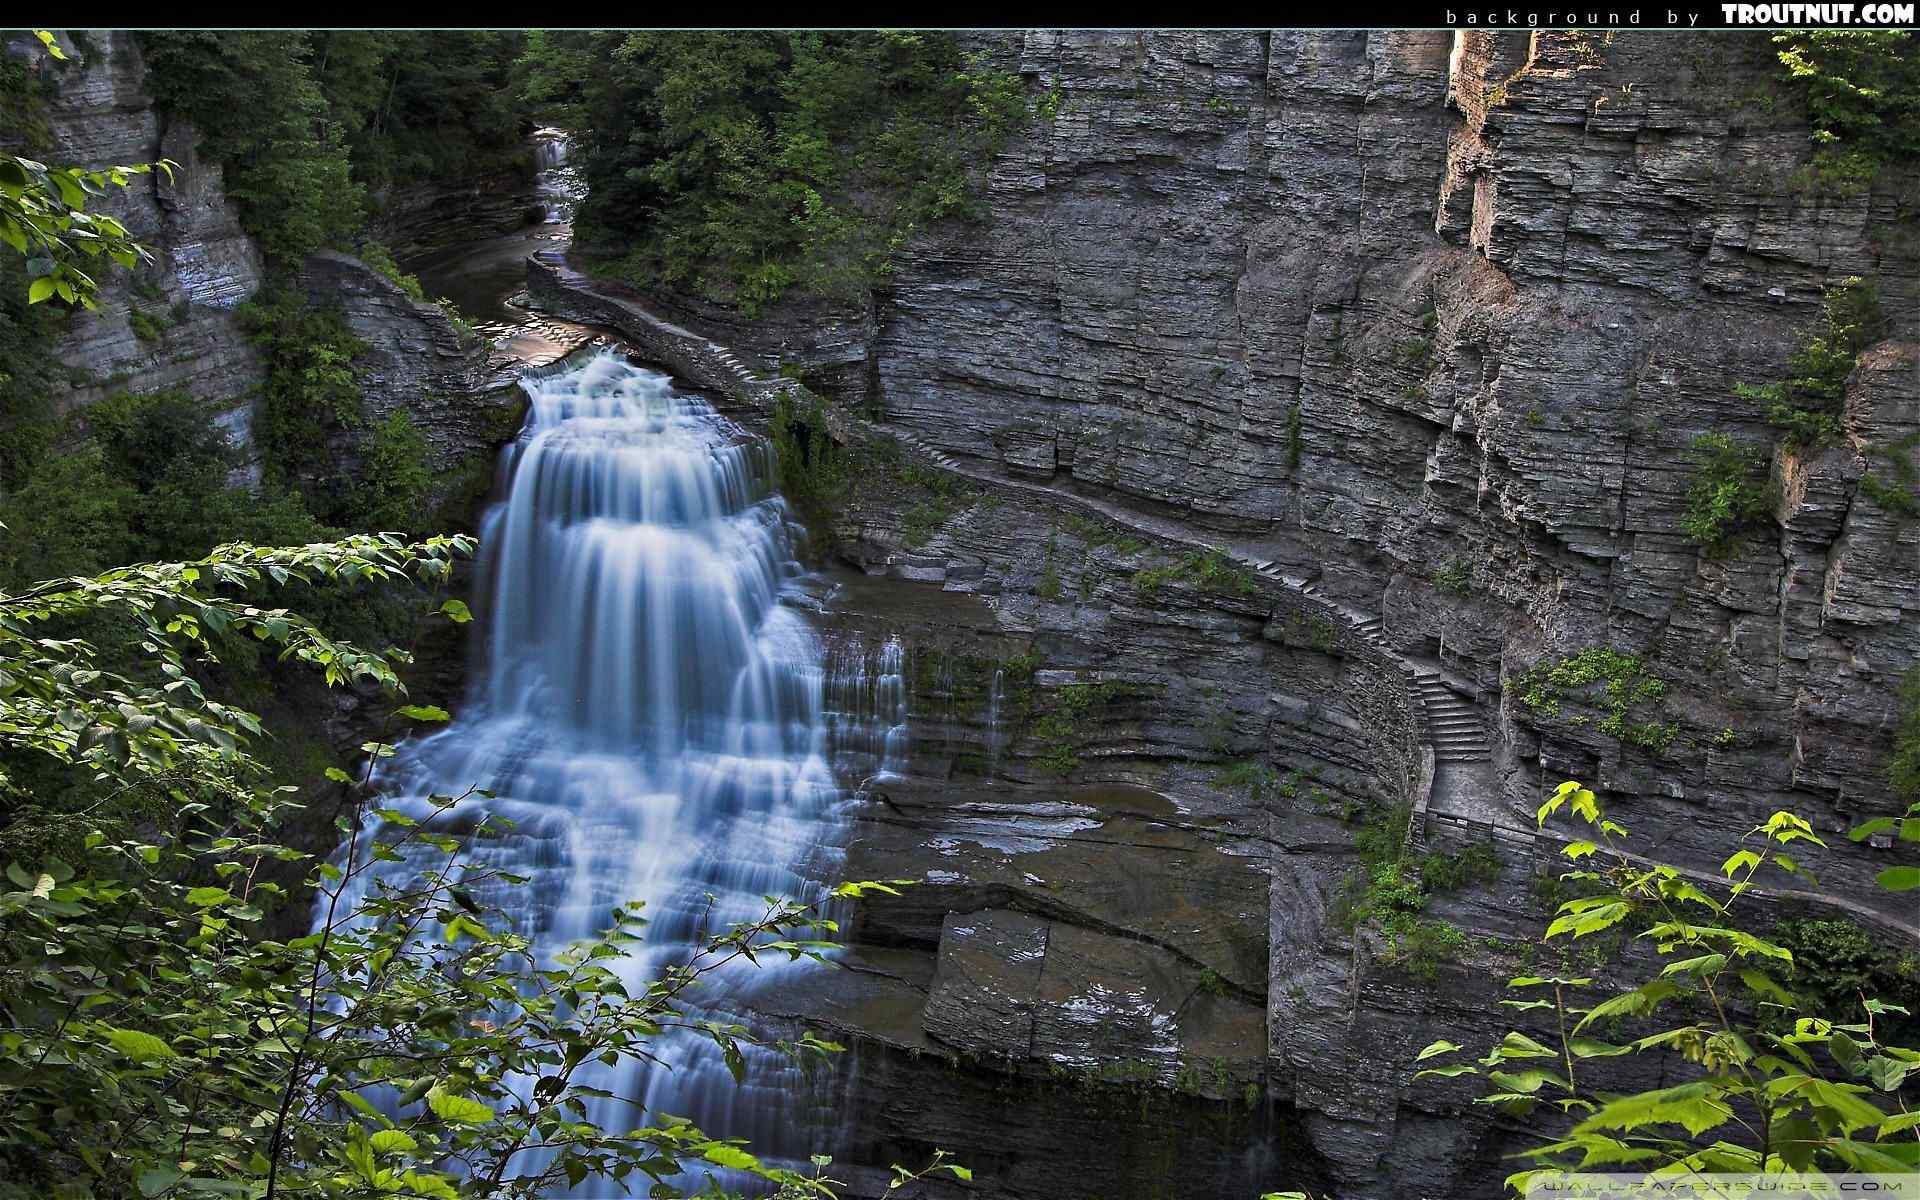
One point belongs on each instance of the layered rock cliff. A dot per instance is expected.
(172, 325)
(1429, 322)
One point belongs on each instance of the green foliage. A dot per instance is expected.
(264, 120)
(311, 394)
(29, 374)
(1806, 405)
(1062, 728)
(380, 259)
(306, 123)
(1770, 1083)
(1728, 494)
(1455, 576)
(423, 105)
(43, 209)
(1628, 683)
(26, 85)
(1049, 588)
(158, 1044)
(1451, 871)
(395, 480)
(144, 477)
(1250, 775)
(1212, 570)
(43, 217)
(1901, 494)
(1387, 894)
(1903, 769)
(1863, 97)
(1837, 965)
(745, 164)
(813, 469)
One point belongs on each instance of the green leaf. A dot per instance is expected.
(457, 612)
(392, 1141)
(40, 289)
(460, 1109)
(1693, 1106)
(138, 1046)
(208, 897)
(422, 712)
(723, 1155)
(1899, 879)
(1440, 1047)
(1519, 1045)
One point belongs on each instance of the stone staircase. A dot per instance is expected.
(1453, 722)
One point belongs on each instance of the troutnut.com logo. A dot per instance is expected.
(1818, 14)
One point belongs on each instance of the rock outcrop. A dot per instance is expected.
(171, 324)
(461, 393)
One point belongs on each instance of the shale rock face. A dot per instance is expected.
(419, 217)
(100, 115)
(1433, 320)
(460, 393)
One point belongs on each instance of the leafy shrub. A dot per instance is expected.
(1629, 683)
(1211, 570)
(1455, 576)
(311, 392)
(1863, 97)
(1837, 962)
(1736, 1049)
(1450, 871)
(147, 327)
(1806, 405)
(145, 478)
(1728, 494)
(1062, 728)
(380, 259)
(262, 117)
(395, 480)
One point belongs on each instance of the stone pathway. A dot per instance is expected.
(1465, 793)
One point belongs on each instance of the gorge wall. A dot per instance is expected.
(1430, 321)
(172, 324)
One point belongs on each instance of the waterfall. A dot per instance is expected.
(651, 716)
(557, 182)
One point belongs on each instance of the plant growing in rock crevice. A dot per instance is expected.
(1388, 893)
(1806, 405)
(1061, 727)
(1628, 684)
(1212, 570)
(1728, 495)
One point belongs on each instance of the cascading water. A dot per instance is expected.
(557, 181)
(654, 721)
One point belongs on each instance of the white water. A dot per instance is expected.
(655, 721)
